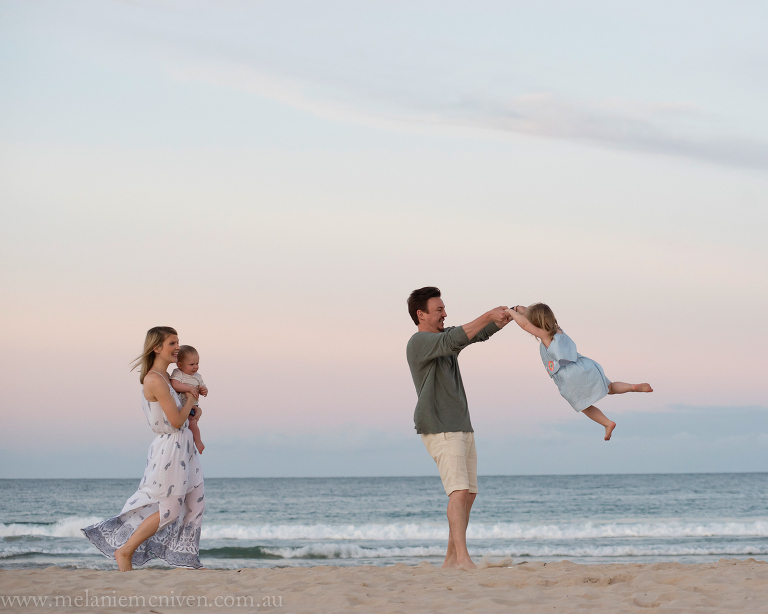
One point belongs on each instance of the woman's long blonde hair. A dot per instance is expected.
(155, 336)
(541, 316)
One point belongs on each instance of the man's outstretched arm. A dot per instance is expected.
(499, 316)
(428, 346)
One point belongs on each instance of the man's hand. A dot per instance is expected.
(500, 316)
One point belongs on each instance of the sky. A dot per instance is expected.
(273, 179)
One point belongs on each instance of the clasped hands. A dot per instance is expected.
(500, 316)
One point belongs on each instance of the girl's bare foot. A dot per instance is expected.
(609, 429)
(123, 560)
(641, 388)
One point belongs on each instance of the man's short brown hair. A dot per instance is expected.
(419, 299)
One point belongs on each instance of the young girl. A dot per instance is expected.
(186, 380)
(580, 380)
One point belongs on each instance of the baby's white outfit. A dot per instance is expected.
(189, 380)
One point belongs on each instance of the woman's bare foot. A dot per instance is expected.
(123, 560)
(641, 388)
(609, 429)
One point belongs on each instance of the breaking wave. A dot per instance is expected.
(351, 551)
(426, 531)
(70, 527)
(66, 527)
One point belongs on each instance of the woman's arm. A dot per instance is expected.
(523, 323)
(156, 386)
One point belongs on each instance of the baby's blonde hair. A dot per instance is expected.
(541, 316)
(186, 350)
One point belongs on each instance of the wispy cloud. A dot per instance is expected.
(634, 127)
(654, 128)
(358, 64)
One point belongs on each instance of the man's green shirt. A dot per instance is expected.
(433, 359)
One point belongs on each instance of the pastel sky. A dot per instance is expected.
(274, 178)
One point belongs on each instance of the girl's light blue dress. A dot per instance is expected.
(579, 379)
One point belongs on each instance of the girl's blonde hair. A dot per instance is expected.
(541, 316)
(155, 336)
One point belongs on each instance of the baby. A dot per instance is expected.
(186, 379)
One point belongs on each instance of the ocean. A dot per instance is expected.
(261, 522)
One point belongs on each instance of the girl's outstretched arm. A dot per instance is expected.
(523, 323)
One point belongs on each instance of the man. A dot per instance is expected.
(442, 414)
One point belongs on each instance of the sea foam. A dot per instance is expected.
(70, 527)
(429, 531)
(66, 527)
(352, 551)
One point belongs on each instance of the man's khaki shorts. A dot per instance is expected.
(456, 459)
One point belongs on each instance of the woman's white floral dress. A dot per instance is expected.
(173, 485)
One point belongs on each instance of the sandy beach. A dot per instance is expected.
(729, 585)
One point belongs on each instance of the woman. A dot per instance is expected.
(163, 517)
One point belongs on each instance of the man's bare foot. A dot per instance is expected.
(641, 388)
(465, 564)
(123, 560)
(608, 430)
(200, 447)
(449, 563)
